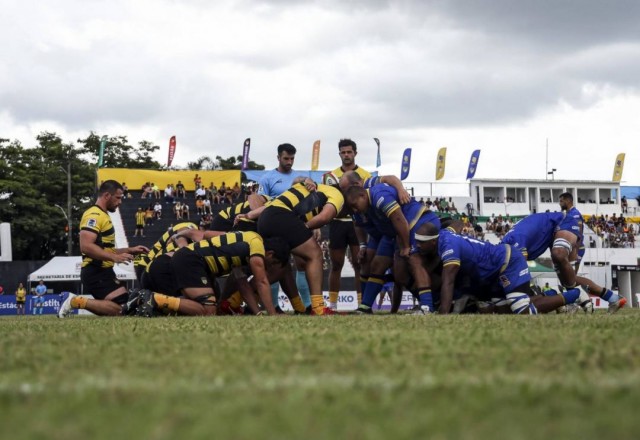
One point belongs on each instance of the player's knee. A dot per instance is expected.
(520, 304)
(209, 303)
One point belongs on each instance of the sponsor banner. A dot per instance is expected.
(618, 167)
(348, 301)
(172, 150)
(473, 164)
(406, 164)
(245, 153)
(315, 156)
(378, 158)
(441, 162)
(50, 304)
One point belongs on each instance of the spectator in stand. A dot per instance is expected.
(177, 209)
(140, 220)
(156, 191)
(236, 190)
(197, 181)
(180, 192)
(148, 215)
(205, 222)
(147, 191)
(222, 191)
(185, 211)
(21, 298)
(157, 210)
(168, 194)
(206, 206)
(125, 191)
(199, 206)
(625, 204)
(213, 191)
(200, 192)
(38, 300)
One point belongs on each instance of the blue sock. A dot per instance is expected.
(425, 296)
(571, 295)
(372, 289)
(609, 296)
(303, 288)
(275, 290)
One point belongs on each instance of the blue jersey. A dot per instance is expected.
(533, 235)
(574, 223)
(478, 259)
(41, 289)
(371, 181)
(383, 201)
(274, 183)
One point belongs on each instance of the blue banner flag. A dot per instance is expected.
(103, 143)
(473, 164)
(406, 164)
(378, 159)
(245, 153)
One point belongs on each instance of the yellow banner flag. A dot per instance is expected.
(617, 169)
(440, 163)
(315, 156)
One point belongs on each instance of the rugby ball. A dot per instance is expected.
(330, 179)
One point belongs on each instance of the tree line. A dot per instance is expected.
(33, 185)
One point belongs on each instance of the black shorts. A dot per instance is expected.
(20, 303)
(246, 226)
(159, 278)
(220, 224)
(99, 281)
(190, 270)
(280, 222)
(342, 234)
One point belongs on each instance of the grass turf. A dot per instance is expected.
(553, 376)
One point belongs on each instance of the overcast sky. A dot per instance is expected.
(495, 75)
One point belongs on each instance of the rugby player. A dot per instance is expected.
(99, 254)
(494, 266)
(342, 234)
(381, 206)
(196, 266)
(536, 233)
(296, 216)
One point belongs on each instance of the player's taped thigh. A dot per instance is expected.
(520, 304)
(562, 243)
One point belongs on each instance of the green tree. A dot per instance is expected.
(235, 163)
(119, 154)
(34, 181)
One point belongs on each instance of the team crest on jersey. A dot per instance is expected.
(204, 280)
(504, 280)
(92, 222)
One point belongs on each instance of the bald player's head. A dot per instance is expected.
(349, 179)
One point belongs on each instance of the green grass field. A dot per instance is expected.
(462, 377)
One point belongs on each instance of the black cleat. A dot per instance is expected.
(133, 300)
(147, 307)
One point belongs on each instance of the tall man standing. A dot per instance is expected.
(342, 232)
(99, 254)
(272, 184)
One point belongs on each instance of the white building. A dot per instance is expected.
(524, 197)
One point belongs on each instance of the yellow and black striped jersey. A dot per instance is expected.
(140, 218)
(345, 214)
(307, 204)
(96, 220)
(364, 174)
(224, 252)
(232, 211)
(163, 245)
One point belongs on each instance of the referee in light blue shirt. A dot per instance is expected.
(274, 183)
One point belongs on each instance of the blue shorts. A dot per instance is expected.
(38, 299)
(386, 246)
(516, 272)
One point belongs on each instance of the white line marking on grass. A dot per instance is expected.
(88, 383)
